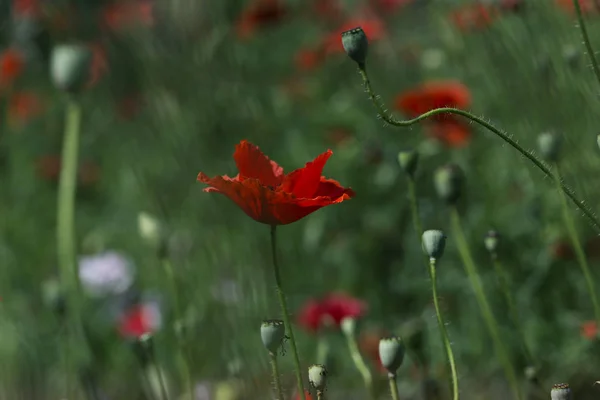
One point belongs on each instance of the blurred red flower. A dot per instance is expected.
(12, 63)
(25, 7)
(436, 94)
(332, 309)
(308, 59)
(473, 17)
(123, 14)
(23, 106)
(308, 396)
(48, 168)
(589, 330)
(267, 195)
(257, 14)
(139, 320)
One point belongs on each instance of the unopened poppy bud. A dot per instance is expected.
(491, 240)
(356, 45)
(448, 182)
(408, 160)
(272, 332)
(70, 66)
(348, 326)
(561, 391)
(317, 376)
(549, 146)
(391, 353)
(434, 242)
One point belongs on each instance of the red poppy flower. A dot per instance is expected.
(431, 95)
(372, 26)
(257, 14)
(23, 106)
(308, 59)
(473, 17)
(451, 131)
(332, 309)
(267, 195)
(589, 330)
(139, 320)
(11, 66)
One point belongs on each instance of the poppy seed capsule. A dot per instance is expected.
(408, 160)
(391, 353)
(434, 242)
(272, 332)
(356, 44)
(491, 241)
(560, 391)
(448, 182)
(317, 376)
(549, 146)
(70, 66)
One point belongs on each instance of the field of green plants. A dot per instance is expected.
(299, 199)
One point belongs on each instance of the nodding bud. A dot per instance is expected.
(348, 326)
(317, 376)
(549, 146)
(491, 240)
(272, 332)
(408, 160)
(448, 182)
(560, 391)
(391, 353)
(434, 242)
(70, 66)
(356, 45)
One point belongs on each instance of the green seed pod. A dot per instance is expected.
(70, 66)
(560, 391)
(434, 242)
(356, 45)
(491, 240)
(391, 353)
(448, 181)
(317, 376)
(272, 332)
(408, 160)
(549, 146)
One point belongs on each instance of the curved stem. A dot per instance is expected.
(284, 311)
(383, 114)
(393, 387)
(185, 366)
(275, 372)
(486, 310)
(360, 364)
(442, 328)
(578, 249)
(586, 40)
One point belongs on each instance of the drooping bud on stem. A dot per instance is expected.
(561, 391)
(317, 376)
(356, 45)
(391, 353)
(272, 332)
(434, 243)
(408, 160)
(448, 182)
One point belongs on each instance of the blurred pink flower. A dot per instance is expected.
(140, 319)
(330, 310)
(589, 330)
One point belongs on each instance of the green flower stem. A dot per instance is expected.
(148, 348)
(360, 364)
(393, 387)
(183, 354)
(586, 40)
(431, 268)
(322, 350)
(284, 311)
(512, 309)
(442, 328)
(65, 231)
(486, 310)
(320, 395)
(579, 253)
(275, 372)
(383, 114)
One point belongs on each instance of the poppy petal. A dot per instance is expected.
(252, 163)
(304, 182)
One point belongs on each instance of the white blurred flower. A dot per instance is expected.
(105, 273)
(202, 391)
(149, 228)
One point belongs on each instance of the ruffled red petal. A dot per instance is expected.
(252, 163)
(304, 182)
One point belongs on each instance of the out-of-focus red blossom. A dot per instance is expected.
(589, 330)
(372, 26)
(257, 14)
(451, 131)
(12, 63)
(23, 106)
(99, 64)
(368, 343)
(330, 311)
(48, 168)
(25, 8)
(269, 196)
(473, 17)
(308, 396)
(328, 9)
(390, 5)
(308, 59)
(587, 6)
(138, 321)
(122, 14)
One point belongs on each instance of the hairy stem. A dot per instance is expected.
(275, 373)
(586, 39)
